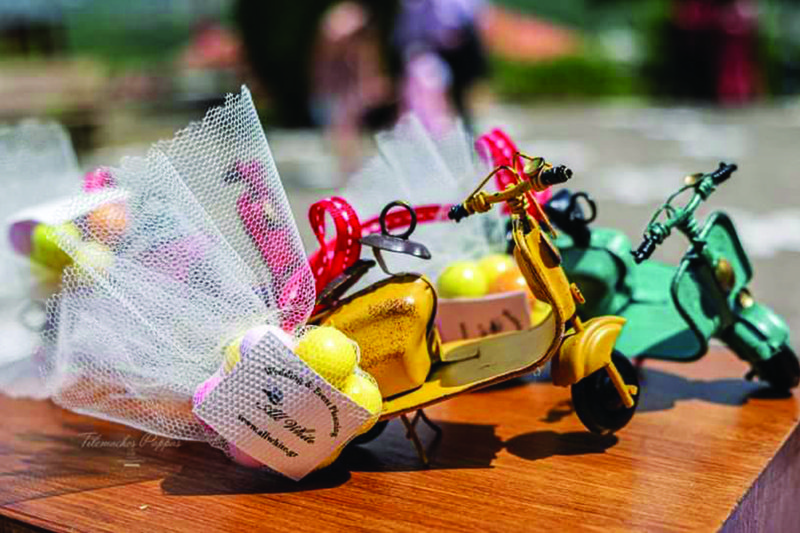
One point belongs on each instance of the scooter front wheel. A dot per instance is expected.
(597, 402)
(781, 371)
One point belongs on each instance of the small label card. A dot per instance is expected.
(471, 318)
(276, 409)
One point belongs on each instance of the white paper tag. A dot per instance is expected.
(276, 409)
(472, 318)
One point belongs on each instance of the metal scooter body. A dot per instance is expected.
(675, 311)
(604, 385)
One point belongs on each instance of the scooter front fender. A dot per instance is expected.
(586, 351)
(761, 330)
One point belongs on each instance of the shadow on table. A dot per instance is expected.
(662, 390)
(560, 410)
(391, 452)
(543, 444)
(462, 446)
(465, 446)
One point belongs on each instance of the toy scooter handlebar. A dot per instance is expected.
(481, 202)
(723, 173)
(555, 175)
(457, 212)
(645, 250)
(680, 217)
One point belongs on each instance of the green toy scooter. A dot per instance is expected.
(673, 312)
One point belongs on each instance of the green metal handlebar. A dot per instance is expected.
(657, 232)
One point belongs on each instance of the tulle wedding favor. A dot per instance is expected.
(183, 310)
(38, 167)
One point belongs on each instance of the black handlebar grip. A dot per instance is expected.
(723, 173)
(644, 251)
(555, 175)
(457, 212)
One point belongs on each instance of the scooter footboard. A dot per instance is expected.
(482, 362)
(587, 350)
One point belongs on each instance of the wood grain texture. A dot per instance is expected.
(707, 450)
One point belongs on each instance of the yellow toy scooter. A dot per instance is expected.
(393, 323)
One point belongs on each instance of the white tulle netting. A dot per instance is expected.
(37, 165)
(201, 247)
(423, 168)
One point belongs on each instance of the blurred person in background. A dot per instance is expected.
(316, 56)
(324, 63)
(710, 51)
(351, 88)
(442, 56)
(278, 39)
(283, 41)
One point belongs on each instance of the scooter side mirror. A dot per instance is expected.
(565, 211)
(395, 243)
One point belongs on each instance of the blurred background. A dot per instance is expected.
(632, 94)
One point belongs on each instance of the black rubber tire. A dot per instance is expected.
(374, 432)
(781, 371)
(597, 402)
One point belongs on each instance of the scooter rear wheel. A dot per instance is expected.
(781, 371)
(597, 402)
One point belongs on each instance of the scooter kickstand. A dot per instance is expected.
(420, 415)
(411, 433)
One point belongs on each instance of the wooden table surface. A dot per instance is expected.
(707, 450)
